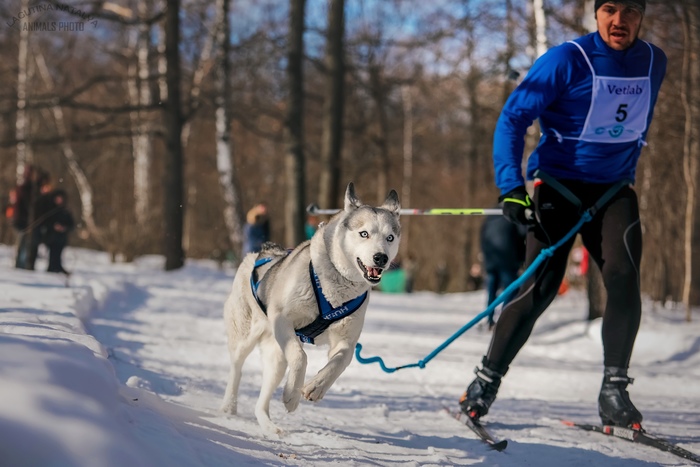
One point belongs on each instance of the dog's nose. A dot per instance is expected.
(380, 259)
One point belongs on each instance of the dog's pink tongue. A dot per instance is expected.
(374, 272)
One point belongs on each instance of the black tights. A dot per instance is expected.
(614, 241)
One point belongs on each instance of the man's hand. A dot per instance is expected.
(517, 206)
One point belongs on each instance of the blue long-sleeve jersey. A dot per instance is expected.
(558, 91)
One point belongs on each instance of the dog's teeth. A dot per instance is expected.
(374, 272)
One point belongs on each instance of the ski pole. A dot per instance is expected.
(315, 210)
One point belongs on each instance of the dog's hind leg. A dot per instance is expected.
(239, 349)
(274, 365)
(242, 336)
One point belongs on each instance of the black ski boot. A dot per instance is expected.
(614, 404)
(481, 393)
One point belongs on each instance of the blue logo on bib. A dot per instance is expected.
(616, 131)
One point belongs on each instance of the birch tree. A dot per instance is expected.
(294, 129)
(24, 155)
(224, 161)
(589, 15)
(541, 42)
(162, 62)
(81, 180)
(140, 97)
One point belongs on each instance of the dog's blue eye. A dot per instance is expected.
(364, 234)
(390, 238)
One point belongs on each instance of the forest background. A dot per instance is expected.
(166, 120)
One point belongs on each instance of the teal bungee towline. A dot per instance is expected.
(515, 285)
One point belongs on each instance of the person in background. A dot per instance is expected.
(442, 277)
(39, 214)
(410, 264)
(256, 230)
(53, 223)
(23, 216)
(310, 226)
(503, 252)
(595, 99)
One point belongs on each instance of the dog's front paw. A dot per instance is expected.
(266, 424)
(314, 390)
(229, 408)
(270, 429)
(291, 398)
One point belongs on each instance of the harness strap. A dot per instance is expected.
(327, 314)
(564, 191)
(255, 283)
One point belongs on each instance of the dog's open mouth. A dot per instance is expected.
(374, 275)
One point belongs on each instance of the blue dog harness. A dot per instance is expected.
(327, 313)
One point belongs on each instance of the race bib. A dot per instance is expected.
(619, 109)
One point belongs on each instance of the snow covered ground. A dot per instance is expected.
(127, 367)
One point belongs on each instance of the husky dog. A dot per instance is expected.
(317, 293)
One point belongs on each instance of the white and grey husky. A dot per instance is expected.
(317, 293)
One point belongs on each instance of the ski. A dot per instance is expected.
(479, 430)
(637, 436)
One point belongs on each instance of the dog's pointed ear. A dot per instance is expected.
(351, 199)
(392, 204)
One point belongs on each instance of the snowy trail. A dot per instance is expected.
(163, 336)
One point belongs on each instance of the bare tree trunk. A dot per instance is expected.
(537, 31)
(173, 211)
(203, 67)
(694, 296)
(224, 161)
(197, 78)
(378, 91)
(140, 95)
(691, 146)
(540, 27)
(24, 154)
(162, 60)
(589, 16)
(294, 159)
(81, 180)
(508, 84)
(332, 139)
(475, 132)
(407, 161)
